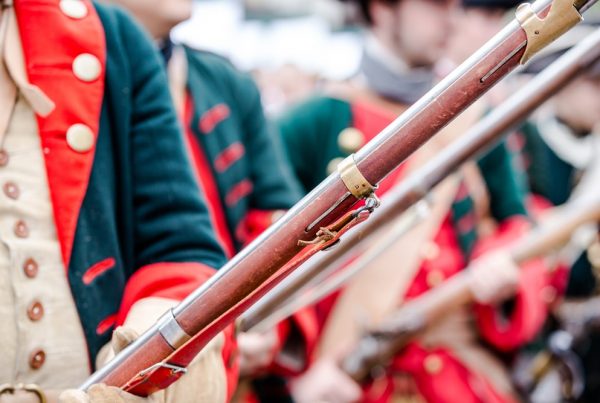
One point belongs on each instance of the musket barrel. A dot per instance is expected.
(255, 270)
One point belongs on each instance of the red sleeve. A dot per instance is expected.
(530, 304)
(527, 315)
(166, 280)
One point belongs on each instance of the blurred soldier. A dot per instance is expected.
(476, 22)
(102, 223)
(241, 169)
(561, 149)
(405, 38)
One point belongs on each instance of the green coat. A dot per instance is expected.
(245, 156)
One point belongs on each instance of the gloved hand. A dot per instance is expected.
(325, 382)
(494, 277)
(257, 351)
(204, 382)
(102, 394)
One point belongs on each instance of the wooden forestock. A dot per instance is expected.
(387, 340)
(255, 270)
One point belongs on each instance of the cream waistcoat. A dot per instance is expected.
(41, 338)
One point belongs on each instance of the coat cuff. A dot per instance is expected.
(509, 330)
(527, 316)
(166, 280)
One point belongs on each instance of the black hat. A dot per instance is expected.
(501, 4)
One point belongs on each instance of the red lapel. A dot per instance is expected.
(51, 41)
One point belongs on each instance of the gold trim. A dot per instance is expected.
(540, 32)
(354, 180)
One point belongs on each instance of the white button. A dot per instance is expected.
(333, 164)
(86, 67)
(430, 251)
(433, 364)
(80, 138)
(435, 278)
(73, 8)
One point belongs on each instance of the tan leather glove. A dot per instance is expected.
(325, 382)
(257, 351)
(205, 381)
(101, 394)
(494, 277)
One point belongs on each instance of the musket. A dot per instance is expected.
(161, 354)
(380, 345)
(297, 291)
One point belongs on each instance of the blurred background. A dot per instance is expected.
(290, 46)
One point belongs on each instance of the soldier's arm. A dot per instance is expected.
(508, 326)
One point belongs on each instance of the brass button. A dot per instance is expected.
(35, 311)
(86, 67)
(73, 8)
(80, 138)
(433, 364)
(4, 158)
(430, 251)
(351, 140)
(11, 190)
(37, 359)
(333, 164)
(435, 278)
(21, 229)
(30, 268)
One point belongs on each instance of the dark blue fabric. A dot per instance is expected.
(142, 205)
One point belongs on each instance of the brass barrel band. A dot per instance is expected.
(354, 180)
(540, 32)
